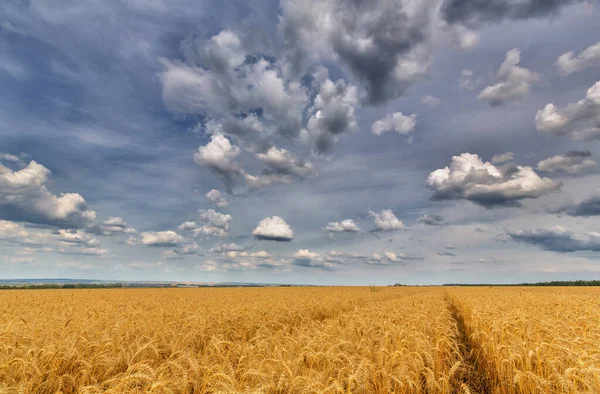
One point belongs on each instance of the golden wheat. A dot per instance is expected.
(534, 340)
(300, 340)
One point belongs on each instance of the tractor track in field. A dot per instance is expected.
(473, 375)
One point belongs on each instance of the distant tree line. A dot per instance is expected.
(63, 286)
(552, 283)
(566, 283)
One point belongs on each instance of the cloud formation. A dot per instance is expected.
(503, 158)
(388, 258)
(215, 197)
(347, 225)
(284, 163)
(219, 155)
(431, 220)
(478, 12)
(512, 82)
(191, 249)
(25, 197)
(573, 162)
(110, 227)
(585, 208)
(273, 229)
(569, 63)
(305, 258)
(332, 114)
(430, 101)
(78, 237)
(383, 44)
(386, 220)
(469, 178)
(215, 223)
(557, 239)
(579, 121)
(397, 122)
(161, 238)
(222, 80)
(62, 241)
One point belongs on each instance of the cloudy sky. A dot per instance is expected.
(300, 141)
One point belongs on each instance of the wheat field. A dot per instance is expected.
(301, 340)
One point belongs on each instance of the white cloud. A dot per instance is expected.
(462, 37)
(256, 182)
(347, 225)
(24, 197)
(231, 247)
(397, 122)
(305, 258)
(503, 157)
(215, 197)
(215, 218)
(76, 237)
(216, 223)
(235, 258)
(219, 155)
(114, 225)
(469, 178)
(63, 241)
(161, 238)
(273, 229)
(283, 162)
(210, 230)
(431, 101)
(17, 233)
(572, 163)
(390, 258)
(568, 63)
(183, 251)
(386, 220)
(9, 157)
(512, 82)
(185, 226)
(579, 121)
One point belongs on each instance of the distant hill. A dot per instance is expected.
(66, 283)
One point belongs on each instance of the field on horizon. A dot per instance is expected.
(297, 340)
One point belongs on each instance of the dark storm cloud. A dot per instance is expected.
(585, 208)
(557, 239)
(477, 12)
(377, 41)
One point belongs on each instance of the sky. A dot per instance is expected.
(297, 141)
